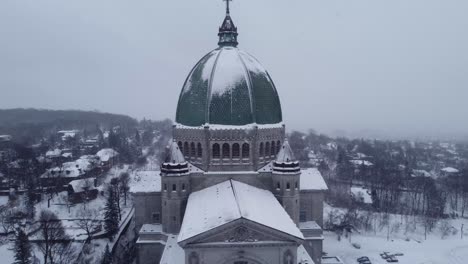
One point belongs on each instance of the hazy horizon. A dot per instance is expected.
(394, 68)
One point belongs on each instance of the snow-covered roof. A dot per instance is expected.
(79, 185)
(303, 257)
(449, 170)
(145, 181)
(361, 193)
(421, 173)
(106, 154)
(309, 225)
(151, 228)
(53, 153)
(4, 138)
(231, 200)
(285, 154)
(67, 155)
(361, 162)
(74, 168)
(173, 154)
(311, 179)
(173, 253)
(232, 127)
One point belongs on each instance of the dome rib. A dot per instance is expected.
(210, 84)
(249, 86)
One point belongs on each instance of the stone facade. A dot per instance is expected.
(244, 148)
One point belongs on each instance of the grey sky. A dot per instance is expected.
(395, 66)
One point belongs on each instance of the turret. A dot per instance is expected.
(175, 188)
(286, 180)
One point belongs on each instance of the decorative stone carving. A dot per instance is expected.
(242, 234)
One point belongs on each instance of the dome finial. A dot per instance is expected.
(227, 32)
(227, 6)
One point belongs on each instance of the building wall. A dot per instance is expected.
(286, 189)
(207, 137)
(147, 205)
(175, 192)
(315, 248)
(149, 253)
(254, 254)
(311, 204)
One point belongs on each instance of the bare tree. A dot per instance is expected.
(6, 219)
(89, 221)
(124, 180)
(55, 244)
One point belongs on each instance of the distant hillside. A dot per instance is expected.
(30, 124)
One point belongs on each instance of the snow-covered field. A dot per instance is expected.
(449, 248)
(452, 250)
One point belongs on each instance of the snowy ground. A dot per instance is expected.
(431, 251)
(451, 249)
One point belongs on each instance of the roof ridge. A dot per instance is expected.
(235, 197)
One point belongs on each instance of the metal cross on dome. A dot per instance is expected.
(227, 5)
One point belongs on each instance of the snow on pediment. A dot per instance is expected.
(242, 231)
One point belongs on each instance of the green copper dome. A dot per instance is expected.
(228, 87)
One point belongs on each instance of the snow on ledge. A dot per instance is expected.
(228, 127)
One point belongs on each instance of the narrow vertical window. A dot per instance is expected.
(216, 151)
(245, 150)
(226, 151)
(192, 150)
(267, 149)
(199, 150)
(186, 149)
(261, 151)
(235, 150)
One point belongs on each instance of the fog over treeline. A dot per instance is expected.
(390, 69)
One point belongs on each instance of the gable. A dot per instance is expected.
(239, 232)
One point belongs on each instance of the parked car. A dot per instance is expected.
(364, 260)
(392, 259)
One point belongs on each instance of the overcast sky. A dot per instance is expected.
(398, 67)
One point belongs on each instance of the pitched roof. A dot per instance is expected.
(231, 200)
(285, 154)
(174, 155)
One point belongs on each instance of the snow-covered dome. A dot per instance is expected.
(228, 87)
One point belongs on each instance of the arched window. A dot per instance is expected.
(186, 149)
(216, 151)
(262, 151)
(278, 186)
(193, 151)
(267, 149)
(180, 146)
(245, 150)
(296, 186)
(226, 151)
(199, 150)
(273, 149)
(288, 186)
(174, 187)
(278, 146)
(235, 150)
(183, 186)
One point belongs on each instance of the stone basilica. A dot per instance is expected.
(230, 190)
